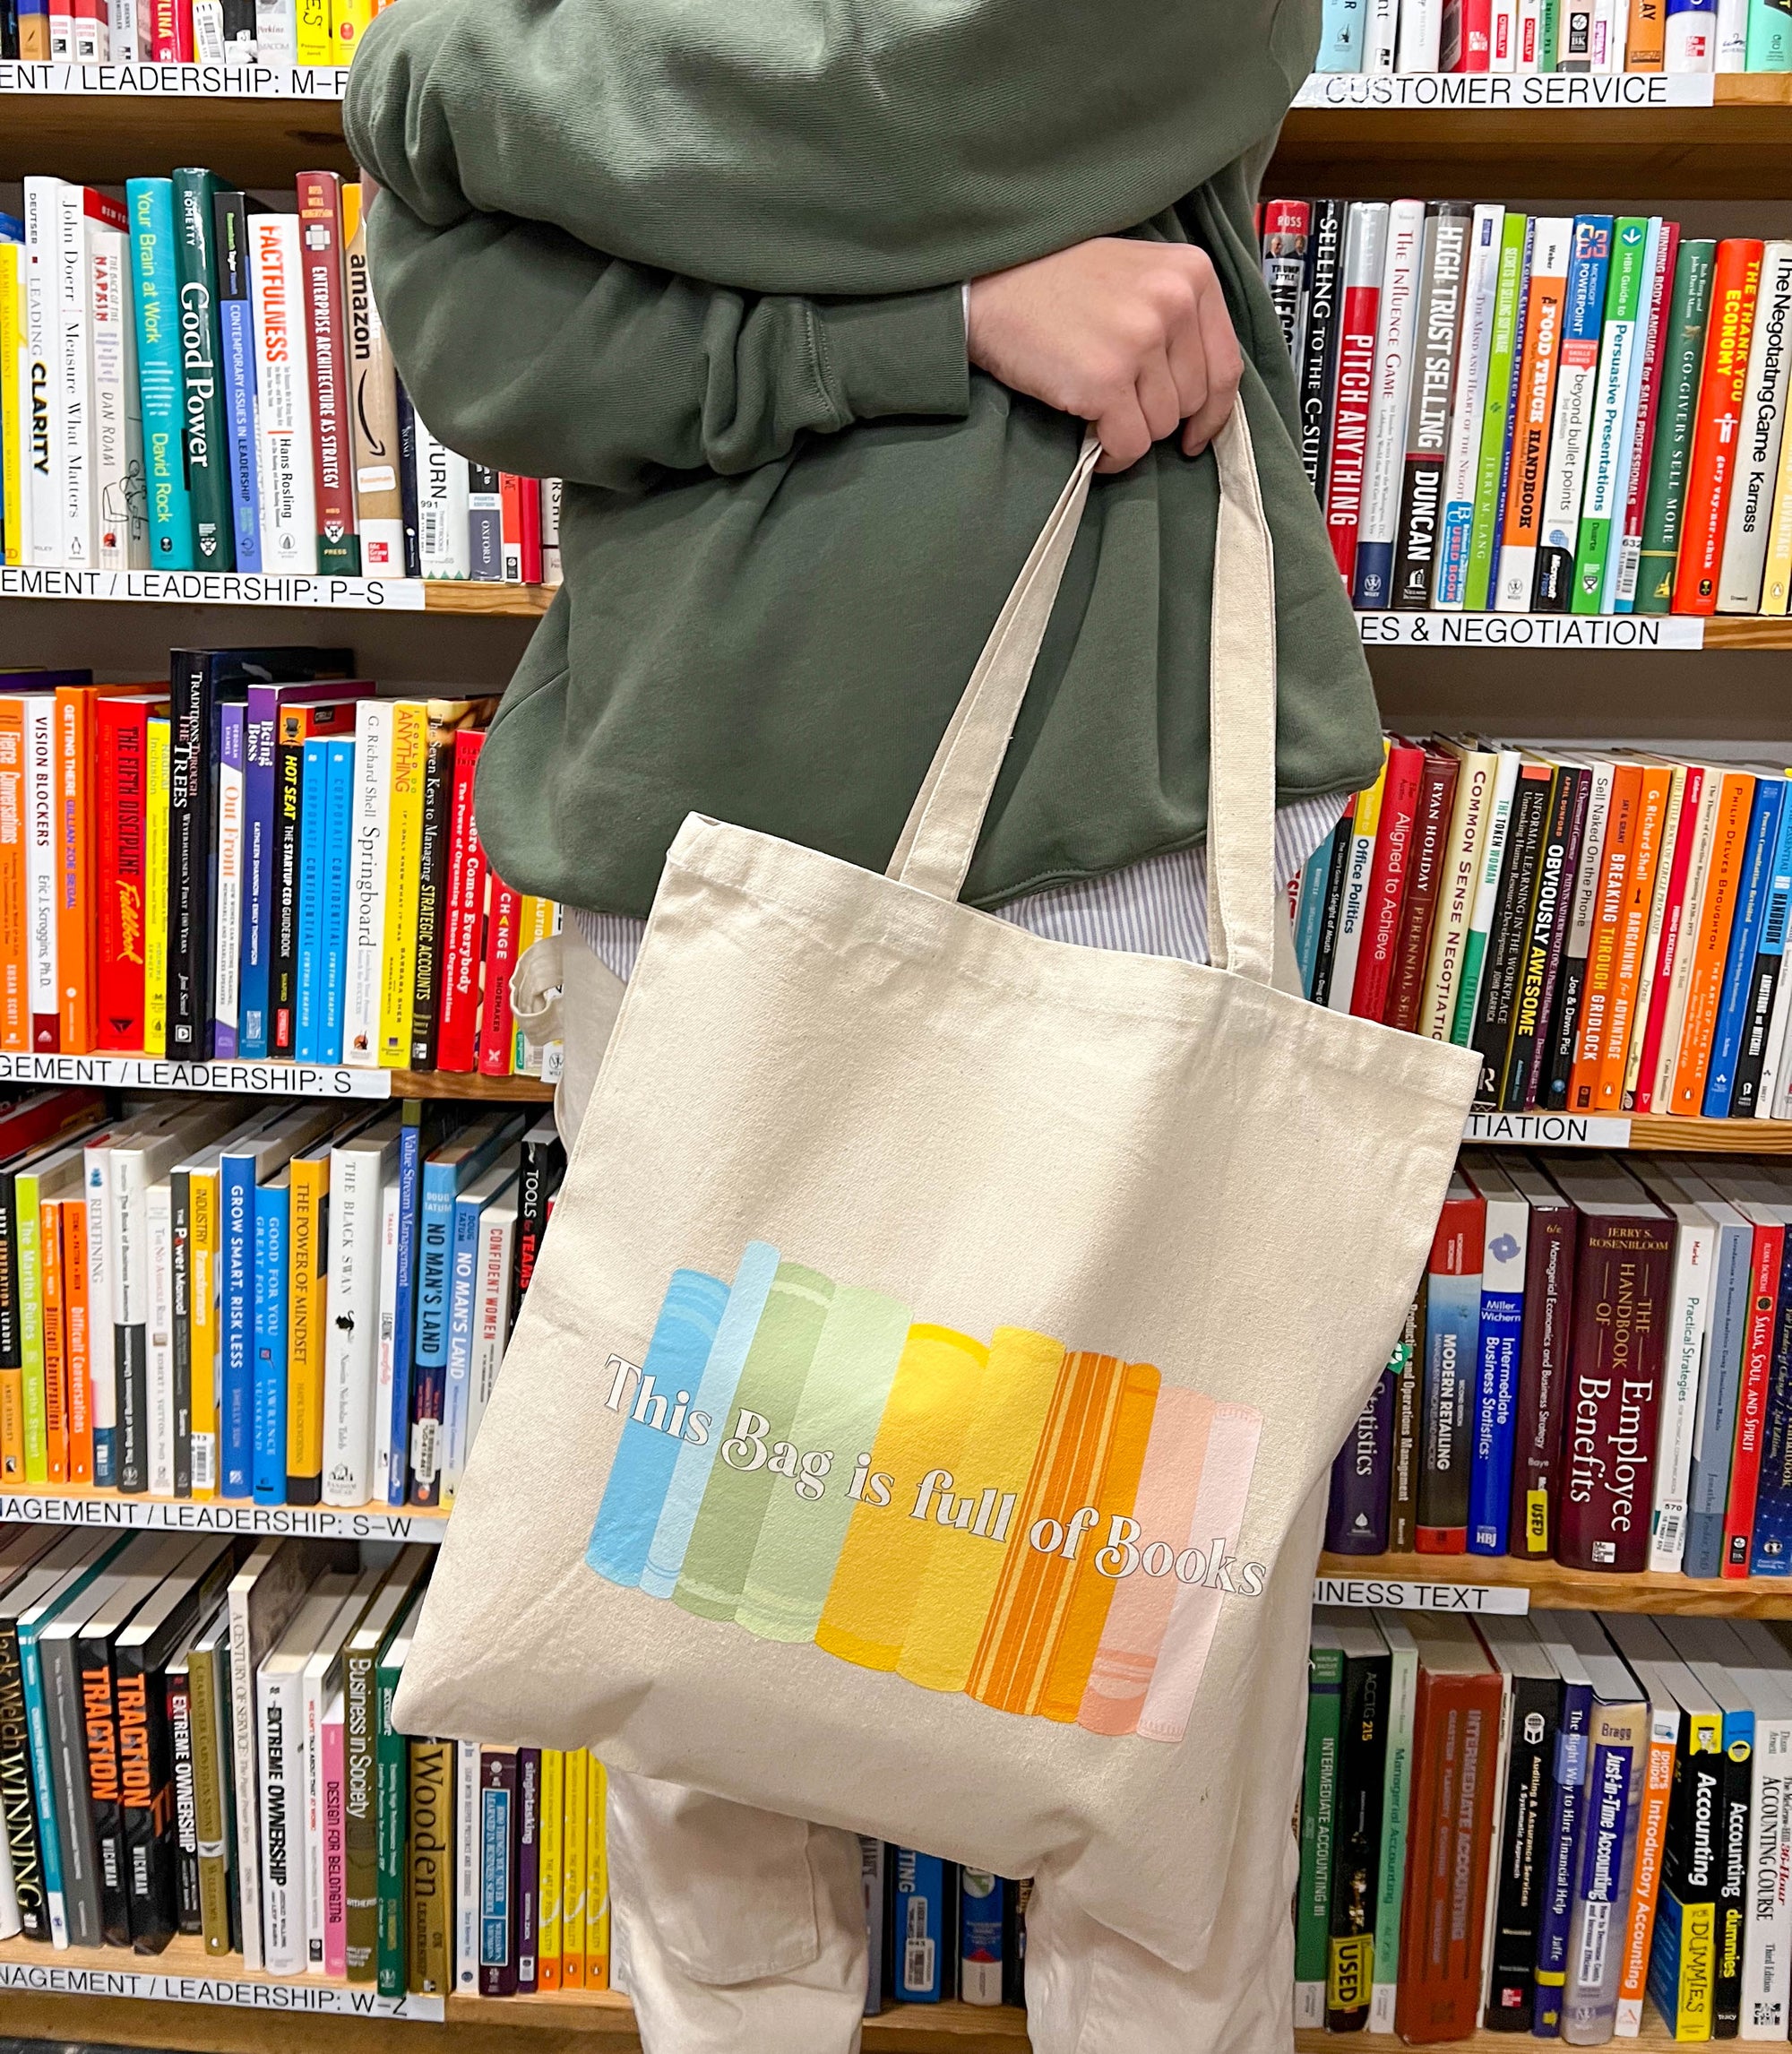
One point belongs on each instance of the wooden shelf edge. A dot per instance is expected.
(463, 1084)
(451, 595)
(1553, 1586)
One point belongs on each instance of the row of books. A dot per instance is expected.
(262, 859)
(1533, 1825)
(281, 1303)
(194, 377)
(1510, 413)
(937, 1931)
(1598, 1368)
(196, 1736)
(1554, 36)
(186, 31)
(1604, 924)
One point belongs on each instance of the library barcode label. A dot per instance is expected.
(213, 588)
(1404, 1597)
(1531, 631)
(242, 1993)
(1546, 1130)
(1564, 91)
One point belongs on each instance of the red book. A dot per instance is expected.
(531, 530)
(1673, 922)
(171, 32)
(503, 909)
(510, 502)
(121, 729)
(1450, 1826)
(1359, 309)
(1717, 428)
(320, 259)
(1418, 910)
(1452, 1329)
(40, 1115)
(458, 1009)
(1543, 1361)
(1757, 1372)
(1468, 36)
(1623, 1271)
(1387, 883)
(79, 1335)
(1648, 404)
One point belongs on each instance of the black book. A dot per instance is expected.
(160, 1629)
(1447, 226)
(1521, 1873)
(12, 1354)
(484, 524)
(1535, 1084)
(1014, 1940)
(1318, 364)
(1512, 925)
(1570, 984)
(177, 1696)
(1357, 1831)
(407, 483)
(198, 681)
(1550, 901)
(544, 1164)
(239, 29)
(1332, 909)
(1409, 1434)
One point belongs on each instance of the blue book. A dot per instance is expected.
(1511, 412)
(1714, 1430)
(1500, 1344)
(1567, 1800)
(1453, 1347)
(445, 1175)
(273, 1214)
(235, 1322)
(1770, 1541)
(155, 298)
(463, 1283)
(1340, 37)
(1583, 323)
(411, 1149)
(314, 826)
(1770, 967)
(338, 805)
(1310, 917)
(922, 1938)
(1757, 884)
(237, 367)
(982, 1910)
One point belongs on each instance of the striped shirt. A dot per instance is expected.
(1157, 907)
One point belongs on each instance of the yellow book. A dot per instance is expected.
(429, 1859)
(404, 839)
(597, 1878)
(12, 348)
(577, 1779)
(314, 45)
(155, 890)
(552, 1844)
(349, 22)
(203, 1269)
(351, 190)
(1777, 584)
(307, 1311)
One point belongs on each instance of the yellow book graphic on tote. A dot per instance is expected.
(972, 1508)
(887, 1546)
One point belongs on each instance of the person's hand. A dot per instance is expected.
(1132, 336)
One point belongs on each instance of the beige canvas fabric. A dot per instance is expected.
(918, 1415)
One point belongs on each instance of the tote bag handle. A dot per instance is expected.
(940, 837)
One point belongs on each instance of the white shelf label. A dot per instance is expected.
(1399, 1597)
(244, 81)
(248, 1992)
(214, 588)
(1546, 1130)
(1531, 630)
(166, 1073)
(1505, 90)
(217, 1515)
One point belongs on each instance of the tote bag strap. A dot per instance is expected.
(940, 837)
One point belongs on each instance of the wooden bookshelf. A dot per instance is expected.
(461, 1084)
(1654, 2038)
(103, 139)
(1551, 1586)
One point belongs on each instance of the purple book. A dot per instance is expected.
(1357, 1522)
(528, 1865)
(497, 1872)
(227, 886)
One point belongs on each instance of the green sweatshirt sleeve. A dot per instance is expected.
(526, 351)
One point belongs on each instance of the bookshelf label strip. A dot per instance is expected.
(1399, 1597)
(1546, 1130)
(159, 1073)
(1531, 631)
(245, 1992)
(218, 1515)
(1504, 91)
(214, 588)
(179, 81)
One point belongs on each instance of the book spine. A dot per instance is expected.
(30, 1884)
(1505, 354)
(1380, 920)
(1738, 1804)
(497, 1859)
(78, 1334)
(1613, 414)
(1373, 581)
(1364, 256)
(307, 1328)
(188, 1917)
(353, 1194)
(335, 1923)
(271, 1271)
(1357, 1519)
(1392, 1847)
(1710, 472)
(1512, 922)
(120, 745)
(41, 205)
(1520, 1831)
(15, 1002)
(1468, 405)
(211, 1800)
(1556, 1078)
(1743, 562)
(180, 1327)
(1340, 37)
(360, 1809)
(465, 913)
(1350, 1975)
(1540, 957)
(429, 1354)
(1446, 253)
(484, 524)
(40, 871)
(1596, 1938)
(1408, 1446)
(227, 945)
(1768, 1917)
(1751, 1418)
(338, 808)
(121, 537)
(1317, 369)
(1501, 1339)
(434, 879)
(1651, 1832)
(236, 360)
(1736, 991)
(408, 756)
(1452, 1339)
(373, 408)
(495, 1029)
(282, 1798)
(393, 1816)
(1576, 379)
(320, 221)
(1533, 413)
(208, 469)
(287, 514)
(1706, 941)
(1764, 1030)
(404, 1310)
(441, 490)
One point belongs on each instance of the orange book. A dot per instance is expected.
(77, 928)
(1645, 49)
(55, 1339)
(79, 1330)
(1533, 411)
(1711, 940)
(15, 997)
(1639, 901)
(1716, 428)
(1651, 1840)
(1583, 1080)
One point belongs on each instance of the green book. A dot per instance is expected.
(392, 1762)
(1676, 416)
(208, 462)
(1396, 1802)
(1318, 1819)
(361, 1732)
(26, 1224)
(1503, 353)
(1607, 470)
(1770, 36)
(1549, 35)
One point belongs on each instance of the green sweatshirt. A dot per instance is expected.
(613, 250)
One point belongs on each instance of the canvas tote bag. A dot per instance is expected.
(921, 1409)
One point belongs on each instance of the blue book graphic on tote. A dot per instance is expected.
(155, 301)
(314, 826)
(339, 786)
(1496, 1374)
(1757, 884)
(273, 1223)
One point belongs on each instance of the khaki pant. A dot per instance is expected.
(738, 1931)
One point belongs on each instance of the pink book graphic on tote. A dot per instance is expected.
(1052, 1532)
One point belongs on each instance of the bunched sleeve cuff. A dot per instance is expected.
(904, 355)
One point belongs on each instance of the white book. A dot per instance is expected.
(279, 1723)
(467, 1867)
(1585, 902)
(10, 1924)
(1564, 477)
(1775, 1071)
(1502, 57)
(551, 573)
(1421, 30)
(1657, 921)
(41, 851)
(1732, 35)
(208, 31)
(276, 33)
(320, 1682)
(387, 1358)
(1530, 35)
(43, 387)
(1348, 946)
(368, 885)
(1689, 1317)
(103, 1399)
(1492, 857)
(1764, 1669)
(1651, 308)
(1680, 974)
(1689, 42)
(1395, 1803)
(227, 954)
(1385, 458)
(1477, 771)
(121, 531)
(491, 1317)
(1468, 404)
(287, 495)
(15, 468)
(1611, 34)
(1515, 562)
(1613, 400)
(360, 1168)
(1758, 438)
(74, 372)
(443, 538)
(497, 1182)
(159, 1382)
(125, 37)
